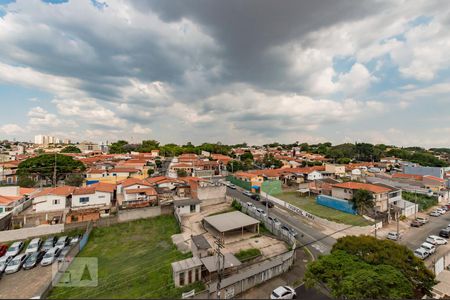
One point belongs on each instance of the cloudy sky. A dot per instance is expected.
(229, 71)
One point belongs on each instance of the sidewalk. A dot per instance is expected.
(293, 277)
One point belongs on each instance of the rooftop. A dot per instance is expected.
(363, 186)
(230, 221)
(230, 261)
(186, 264)
(200, 242)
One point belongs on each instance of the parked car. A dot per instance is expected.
(62, 242)
(429, 247)
(421, 253)
(268, 203)
(49, 243)
(275, 221)
(445, 233)
(14, 249)
(232, 186)
(255, 197)
(441, 210)
(283, 292)
(64, 252)
(436, 240)
(33, 260)
(416, 223)
(250, 205)
(261, 212)
(34, 245)
(435, 213)
(4, 261)
(247, 193)
(444, 207)
(293, 232)
(16, 263)
(50, 256)
(393, 236)
(3, 250)
(76, 239)
(422, 220)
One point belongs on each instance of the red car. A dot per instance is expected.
(3, 249)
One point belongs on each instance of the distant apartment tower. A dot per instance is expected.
(46, 139)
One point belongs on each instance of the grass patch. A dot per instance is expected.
(424, 201)
(309, 204)
(133, 261)
(248, 254)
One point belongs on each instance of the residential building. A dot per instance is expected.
(52, 199)
(337, 170)
(314, 175)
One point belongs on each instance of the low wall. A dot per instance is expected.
(336, 203)
(243, 184)
(141, 213)
(25, 233)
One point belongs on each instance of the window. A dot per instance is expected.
(56, 201)
(189, 277)
(84, 199)
(193, 208)
(182, 278)
(197, 274)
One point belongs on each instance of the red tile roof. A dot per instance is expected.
(132, 181)
(6, 200)
(148, 191)
(124, 170)
(362, 186)
(104, 187)
(59, 191)
(434, 178)
(84, 191)
(407, 176)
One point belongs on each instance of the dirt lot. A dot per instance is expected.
(25, 283)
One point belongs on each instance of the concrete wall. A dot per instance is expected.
(419, 170)
(211, 192)
(340, 193)
(25, 233)
(141, 213)
(335, 203)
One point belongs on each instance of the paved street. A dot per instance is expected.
(317, 242)
(413, 237)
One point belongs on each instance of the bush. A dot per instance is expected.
(245, 255)
(424, 201)
(236, 204)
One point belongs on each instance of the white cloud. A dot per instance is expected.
(39, 117)
(11, 129)
(138, 129)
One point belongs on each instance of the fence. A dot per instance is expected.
(275, 228)
(251, 276)
(243, 184)
(336, 203)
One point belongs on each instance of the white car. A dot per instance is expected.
(14, 249)
(274, 221)
(4, 261)
(34, 245)
(62, 242)
(428, 247)
(436, 240)
(421, 253)
(250, 205)
(435, 213)
(422, 220)
(283, 292)
(441, 210)
(16, 263)
(393, 236)
(50, 256)
(261, 212)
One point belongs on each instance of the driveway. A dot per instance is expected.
(25, 283)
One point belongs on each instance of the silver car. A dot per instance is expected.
(4, 261)
(62, 242)
(50, 256)
(16, 263)
(34, 245)
(14, 249)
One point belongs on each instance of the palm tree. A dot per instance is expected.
(362, 201)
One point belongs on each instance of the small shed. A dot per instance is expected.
(186, 206)
(230, 223)
(200, 245)
(229, 264)
(187, 271)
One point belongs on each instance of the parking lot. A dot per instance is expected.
(25, 283)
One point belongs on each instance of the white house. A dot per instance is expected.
(315, 175)
(137, 193)
(91, 197)
(186, 206)
(52, 199)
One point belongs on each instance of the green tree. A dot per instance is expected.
(43, 166)
(26, 181)
(74, 180)
(148, 146)
(362, 201)
(150, 172)
(118, 147)
(158, 163)
(71, 149)
(181, 173)
(384, 252)
(246, 155)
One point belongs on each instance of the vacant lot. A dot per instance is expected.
(134, 261)
(309, 204)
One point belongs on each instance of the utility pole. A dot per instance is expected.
(220, 266)
(415, 205)
(54, 173)
(398, 224)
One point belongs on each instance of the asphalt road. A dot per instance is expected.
(310, 294)
(414, 237)
(317, 242)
